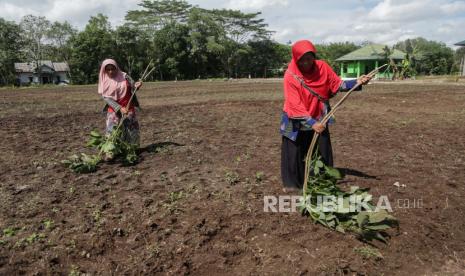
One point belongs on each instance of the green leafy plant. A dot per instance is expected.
(343, 215)
(175, 196)
(232, 178)
(9, 232)
(48, 224)
(82, 163)
(259, 176)
(34, 237)
(75, 271)
(97, 217)
(112, 145)
(172, 203)
(368, 252)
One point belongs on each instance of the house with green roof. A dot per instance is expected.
(367, 58)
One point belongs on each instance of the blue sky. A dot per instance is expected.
(380, 21)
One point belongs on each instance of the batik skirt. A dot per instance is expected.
(130, 126)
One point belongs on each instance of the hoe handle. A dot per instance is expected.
(324, 121)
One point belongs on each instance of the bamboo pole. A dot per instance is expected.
(142, 78)
(137, 89)
(324, 121)
(145, 71)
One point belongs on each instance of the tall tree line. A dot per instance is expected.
(184, 42)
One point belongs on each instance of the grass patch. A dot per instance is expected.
(232, 178)
(368, 252)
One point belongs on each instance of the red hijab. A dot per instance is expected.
(298, 102)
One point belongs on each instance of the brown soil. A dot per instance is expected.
(194, 204)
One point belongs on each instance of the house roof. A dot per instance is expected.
(61, 66)
(29, 67)
(371, 52)
(461, 43)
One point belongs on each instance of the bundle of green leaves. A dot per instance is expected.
(113, 145)
(82, 163)
(344, 214)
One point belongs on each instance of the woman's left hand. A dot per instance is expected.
(138, 84)
(363, 79)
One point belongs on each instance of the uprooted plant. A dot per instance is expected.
(340, 210)
(114, 144)
(320, 182)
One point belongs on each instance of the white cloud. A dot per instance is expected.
(282, 34)
(415, 10)
(453, 8)
(77, 12)
(255, 4)
(391, 10)
(13, 12)
(381, 21)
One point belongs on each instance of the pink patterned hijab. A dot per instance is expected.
(115, 87)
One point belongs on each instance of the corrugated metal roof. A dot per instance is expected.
(371, 52)
(22, 67)
(461, 43)
(61, 66)
(29, 67)
(46, 62)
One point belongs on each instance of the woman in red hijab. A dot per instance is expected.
(308, 85)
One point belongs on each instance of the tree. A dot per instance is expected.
(34, 31)
(207, 40)
(59, 36)
(332, 51)
(10, 42)
(90, 48)
(157, 14)
(217, 38)
(134, 49)
(428, 57)
(171, 46)
(265, 58)
(238, 28)
(241, 27)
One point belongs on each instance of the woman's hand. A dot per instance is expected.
(363, 79)
(138, 84)
(124, 110)
(318, 127)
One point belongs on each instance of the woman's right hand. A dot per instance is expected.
(124, 110)
(363, 79)
(318, 127)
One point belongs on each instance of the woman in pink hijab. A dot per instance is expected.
(116, 88)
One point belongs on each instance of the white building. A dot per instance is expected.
(49, 72)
